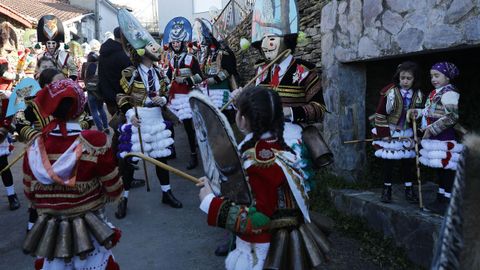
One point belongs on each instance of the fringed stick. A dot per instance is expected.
(143, 152)
(164, 166)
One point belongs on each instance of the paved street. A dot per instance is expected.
(155, 236)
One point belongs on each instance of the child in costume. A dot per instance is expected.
(69, 176)
(441, 148)
(394, 134)
(266, 160)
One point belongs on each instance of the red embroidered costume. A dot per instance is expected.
(69, 174)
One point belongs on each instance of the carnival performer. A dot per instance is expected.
(393, 133)
(144, 94)
(441, 148)
(295, 80)
(7, 79)
(50, 33)
(69, 175)
(184, 73)
(6, 147)
(218, 64)
(267, 161)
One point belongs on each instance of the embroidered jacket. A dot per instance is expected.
(97, 180)
(299, 87)
(441, 109)
(218, 68)
(270, 191)
(65, 63)
(135, 92)
(390, 110)
(186, 66)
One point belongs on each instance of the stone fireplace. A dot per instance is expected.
(362, 43)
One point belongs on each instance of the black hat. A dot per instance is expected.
(50, 28)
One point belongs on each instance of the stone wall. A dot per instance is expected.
(355, 31)
(309, 13)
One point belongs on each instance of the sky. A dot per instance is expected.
(204, 5)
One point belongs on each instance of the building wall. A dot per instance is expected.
(355, 31)
(168, 10)
(108, 18)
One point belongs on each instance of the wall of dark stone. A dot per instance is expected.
(309, 13)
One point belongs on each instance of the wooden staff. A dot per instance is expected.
(164, 166)
(420, 197)
(141, 149)
(371, 140)
(282, 54)
(358, 141)
(17, 158)
(14, 161)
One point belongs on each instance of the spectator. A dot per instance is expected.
(95, 100)
(112, 61)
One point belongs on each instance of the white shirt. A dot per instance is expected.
(143, 70)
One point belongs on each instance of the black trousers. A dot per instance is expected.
(7, 177)
(445, 179)
(406, 173)
(188, 125)
(127, 170)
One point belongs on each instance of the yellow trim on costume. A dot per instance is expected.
(109, 176)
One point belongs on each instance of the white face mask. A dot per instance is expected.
(272, 46)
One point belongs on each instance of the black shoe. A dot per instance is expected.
(13, 202)
(193, 161)
(410, 195)
(122, 208)
(386, 194)
(169, 199)
(136, 183)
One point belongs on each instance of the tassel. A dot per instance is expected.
(244, 44)
(301, 38)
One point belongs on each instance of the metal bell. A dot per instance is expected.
(296, 252)
(46, 246)
(319, 238)
(33, 237)
(319, 151)
(102, 232)
(277, 253)
(313, 252)
(64, 245)
(81, 238)
(324, 223)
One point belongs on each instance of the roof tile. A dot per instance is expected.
(37, 8)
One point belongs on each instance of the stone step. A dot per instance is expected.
(412, 229)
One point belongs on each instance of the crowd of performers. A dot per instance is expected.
(71, 171)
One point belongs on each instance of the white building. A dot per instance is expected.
(107, 17)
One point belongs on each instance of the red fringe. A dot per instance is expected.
(39, 263)
(112, 264)
(116, 236)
